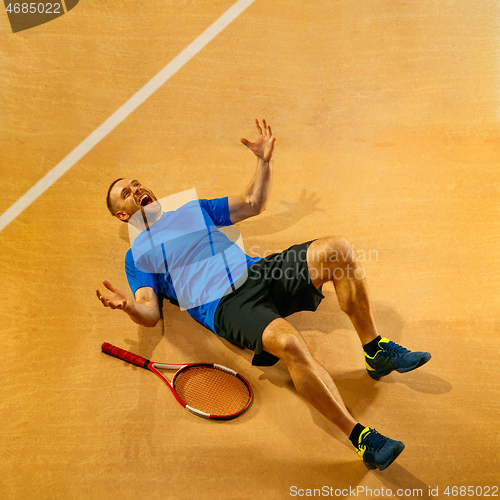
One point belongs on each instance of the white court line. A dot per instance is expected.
(118, 116)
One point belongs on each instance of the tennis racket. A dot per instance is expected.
(207, 390)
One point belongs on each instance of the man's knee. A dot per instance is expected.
(284, 341)
(294, 349)
(333, 250)
(342, 250)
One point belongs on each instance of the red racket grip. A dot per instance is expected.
(125, 355)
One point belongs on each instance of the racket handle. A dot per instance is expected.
(125, 355)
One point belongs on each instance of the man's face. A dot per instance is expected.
(129, 196)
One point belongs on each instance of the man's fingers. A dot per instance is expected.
(104, 300)
(111, 302)
(246, 143)
(101, 297)
(109, 286)
(120, 305)
(259, 128)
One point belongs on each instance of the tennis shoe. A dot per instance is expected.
(376, 450)
(392, 356)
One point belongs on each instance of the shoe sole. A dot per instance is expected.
(421, 362)
(382, 373)
(395, 454)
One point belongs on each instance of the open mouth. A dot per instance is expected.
(144, 200)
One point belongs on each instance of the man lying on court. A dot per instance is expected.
(182, 256)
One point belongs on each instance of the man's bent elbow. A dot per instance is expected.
(149, 321)
(153, 321)
(256, 208)
(261, 209)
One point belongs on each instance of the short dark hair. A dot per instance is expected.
(111, 205)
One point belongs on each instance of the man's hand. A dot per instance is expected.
(143, 311)
(118, 300)
(263, 147)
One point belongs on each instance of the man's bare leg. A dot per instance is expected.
(334, 259)
(315, 384)
(311, 380)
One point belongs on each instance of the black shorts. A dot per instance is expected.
(275, 287)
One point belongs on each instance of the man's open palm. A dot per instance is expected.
(263, 147)
(118, 300)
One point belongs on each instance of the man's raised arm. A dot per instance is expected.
(254, 199)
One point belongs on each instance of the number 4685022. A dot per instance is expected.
(34, 8)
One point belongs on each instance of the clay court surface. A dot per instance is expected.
(387, 119)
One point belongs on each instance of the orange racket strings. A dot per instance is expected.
(212, 390)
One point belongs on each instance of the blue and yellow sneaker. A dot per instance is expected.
(392, 356)
(377, 451)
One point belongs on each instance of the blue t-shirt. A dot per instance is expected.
(185, 258)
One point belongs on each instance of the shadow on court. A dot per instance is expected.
(401, 482)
